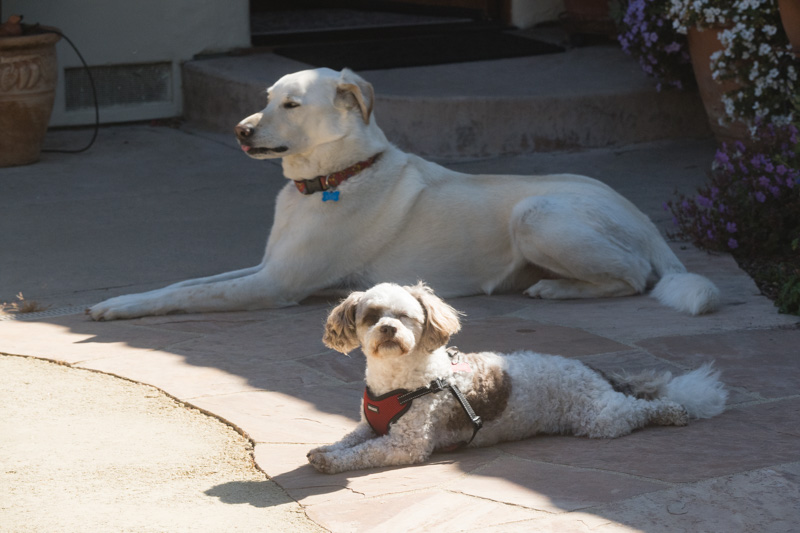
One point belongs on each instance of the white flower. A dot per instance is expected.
(764, 49)
(729, 107)
(754, 71)
(770, 30)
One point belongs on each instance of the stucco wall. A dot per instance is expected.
(527, 13)
(140, 31)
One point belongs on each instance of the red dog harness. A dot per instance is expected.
(384, 410)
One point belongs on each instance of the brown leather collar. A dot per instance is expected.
(331, 181)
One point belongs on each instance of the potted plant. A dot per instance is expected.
(742, 62)
(790, 18)
(28, 75)
(588, 17)
(749, 208)
(646, 33)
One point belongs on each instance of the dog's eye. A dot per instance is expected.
(371, 318)
(290, 105)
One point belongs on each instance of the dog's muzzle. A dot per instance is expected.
(244, 132)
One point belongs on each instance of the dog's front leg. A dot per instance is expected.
(218, 277)
(394, 449)
(259, 290)
(362, 433)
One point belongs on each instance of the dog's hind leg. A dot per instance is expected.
(617, 415)
(594, 249)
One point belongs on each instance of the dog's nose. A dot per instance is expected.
(388, 329)
(243, 131)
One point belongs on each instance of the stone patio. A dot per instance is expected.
(77, 239)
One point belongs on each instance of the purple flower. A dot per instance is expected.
(703, 201)
(721, 157)
(710, 235)
(781, 170)
(731, 227)
(760, 197)
(789, 182)
(763, 181)
(775, 191)
(732, 244)
(672, 47)
(758, 160)
(769, 167)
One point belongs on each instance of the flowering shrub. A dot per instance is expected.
(756, 54)
(646, 33)
(752, 203)
(751, 206)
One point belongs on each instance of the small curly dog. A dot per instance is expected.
(422, 396)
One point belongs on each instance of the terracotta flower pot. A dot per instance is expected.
(703, 43)
(588, 17)
(28, 75)
(790, 18)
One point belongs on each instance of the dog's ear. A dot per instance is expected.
(441, 320)
(340, 329)
(355, 92)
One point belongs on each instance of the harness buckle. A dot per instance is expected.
(437, 385)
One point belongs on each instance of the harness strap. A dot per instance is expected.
(435, 386)
(438, 385)
(477, 423)
(384, 410)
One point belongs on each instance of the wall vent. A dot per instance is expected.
(118, 85)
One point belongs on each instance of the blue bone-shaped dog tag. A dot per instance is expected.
(333, 196)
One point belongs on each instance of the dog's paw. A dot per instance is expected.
(322, 449)
(672, 415)
(120, 307)
(543, 289)
(323, 462)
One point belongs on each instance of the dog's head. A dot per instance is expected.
(391, 321)
(304, 110)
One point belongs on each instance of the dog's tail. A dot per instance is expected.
(681, 290)
(700, 392)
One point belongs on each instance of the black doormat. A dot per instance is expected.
(414, 51)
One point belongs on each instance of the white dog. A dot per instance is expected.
(422, 397)
(359, 211)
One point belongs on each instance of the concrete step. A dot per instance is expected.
(586, 97)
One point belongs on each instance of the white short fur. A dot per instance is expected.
(403, 219)
(518, 395)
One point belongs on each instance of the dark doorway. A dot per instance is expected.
(377, 34)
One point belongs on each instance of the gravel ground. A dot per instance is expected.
(82, 451)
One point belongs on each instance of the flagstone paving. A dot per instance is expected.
(268, 373)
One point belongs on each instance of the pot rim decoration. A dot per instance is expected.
(28, 77)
